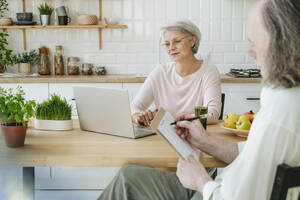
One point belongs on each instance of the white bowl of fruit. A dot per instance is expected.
(239, 124)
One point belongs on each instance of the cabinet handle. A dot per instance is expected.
(252, 99)
(73, 99)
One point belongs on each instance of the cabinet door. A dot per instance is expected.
(241, 97)
(37, 92)
(66, 90)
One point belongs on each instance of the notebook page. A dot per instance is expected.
(182, 146)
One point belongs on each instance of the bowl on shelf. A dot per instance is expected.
(85, 19)
(111, 21)
(26, 16)
(5, 21)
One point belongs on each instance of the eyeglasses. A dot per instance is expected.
(174, 42)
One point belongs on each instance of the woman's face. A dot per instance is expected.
(257, 37)
(178, 44)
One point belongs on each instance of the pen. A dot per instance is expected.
(190, 119)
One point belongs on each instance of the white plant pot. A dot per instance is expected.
(55, 125)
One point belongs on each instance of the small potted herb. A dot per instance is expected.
(15, 112)
(45, 13)
(26, 60)
(4, 21)
(54, 114)
(6, 55)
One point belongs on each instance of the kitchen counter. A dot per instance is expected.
(104, 79)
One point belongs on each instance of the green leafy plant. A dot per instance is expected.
(56, 108)
(27, 57)
(45, 9)
(3, 7)
(13, 106)
(6, 55)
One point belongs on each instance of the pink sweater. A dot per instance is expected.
(178, 94)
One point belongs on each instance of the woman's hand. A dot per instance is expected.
(192, 131)
(144, 118)
(192, 174)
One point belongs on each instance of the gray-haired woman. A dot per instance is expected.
(182, 84)
(274, 138)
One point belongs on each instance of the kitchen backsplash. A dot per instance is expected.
(136, 50)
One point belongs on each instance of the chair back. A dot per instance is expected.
(222, 108)
(286, 177)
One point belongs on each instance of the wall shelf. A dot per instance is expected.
(99, 27)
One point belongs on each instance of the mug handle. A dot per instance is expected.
(69, 20)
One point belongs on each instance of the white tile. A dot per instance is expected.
(149, 9)
(139, 30)
(141, 47)
(234, 58)
(127, 9)
(237, 30)
(227, 9)
(238, 8)
(160, 9)
(146, 58)
(205, 9)
(126, 58)
(226, 30)
(216, 30)
(216, 9)
(183, 8)
(222, 48)
(138, 9)
(205, 28)
(194, 9)
(171, 10)
(112, 47)
(241, 47)
(217, 58)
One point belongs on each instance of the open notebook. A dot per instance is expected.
(161, 125)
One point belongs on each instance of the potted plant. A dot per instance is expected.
(4, 21)
(54, 114)
(6, 55)
(26, 60)
(45, 13)
(15, 112)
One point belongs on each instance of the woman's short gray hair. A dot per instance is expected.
(281, 19)
(187, 27)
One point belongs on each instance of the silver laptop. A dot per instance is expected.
(106, 110)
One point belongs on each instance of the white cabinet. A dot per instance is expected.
(241, 97)
(66, 90)
(37, 92)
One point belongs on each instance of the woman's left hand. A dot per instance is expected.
(192, 174)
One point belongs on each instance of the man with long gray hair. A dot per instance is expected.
(274, 138)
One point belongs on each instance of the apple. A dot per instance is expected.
(243, 124)
(229, 123)
(232, 116)
(243, 116)
(250, 114)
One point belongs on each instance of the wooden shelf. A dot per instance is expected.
(99, 27)
(66, 27)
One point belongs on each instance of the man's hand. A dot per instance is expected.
(192, 131)
(144, 118)
(192, 174)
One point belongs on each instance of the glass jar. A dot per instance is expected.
(59, 67)
(87, 69)
(44, 67)
(73, 65)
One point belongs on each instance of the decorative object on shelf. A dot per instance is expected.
(100, 70)
(87, 69)
(54, 114)
(59, 67)
(4, 21)
(73, 65)
(25, 16)
(44, 68)
(6, 55)
(111, 21)
(62, 11)
(85, 19)
(15, 112)
(26, 60)
(64, 20)
(62, 15)
(45, 13)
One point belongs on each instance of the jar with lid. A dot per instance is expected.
(73, 65)
(87, 69)
(59, 67)
(44, 67)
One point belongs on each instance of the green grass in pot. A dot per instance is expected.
(45, 9)
(56, 108)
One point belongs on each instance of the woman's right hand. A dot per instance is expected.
(144, 118)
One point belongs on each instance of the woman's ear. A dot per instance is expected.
(193, 41)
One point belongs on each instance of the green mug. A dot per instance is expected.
(201, 110)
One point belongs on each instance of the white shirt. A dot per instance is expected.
(180, 95)
(274, 138)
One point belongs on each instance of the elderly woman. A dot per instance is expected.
(180, 85)
(274, 138)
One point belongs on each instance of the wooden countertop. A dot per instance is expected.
(79, 148)
(104, 79)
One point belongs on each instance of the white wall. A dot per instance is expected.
(135, 50)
